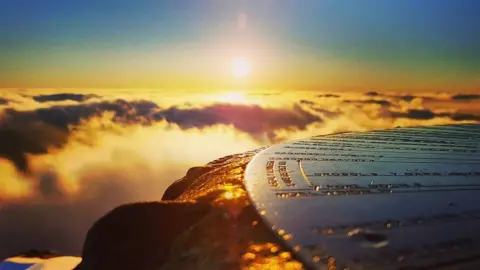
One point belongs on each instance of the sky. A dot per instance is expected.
(404, 45)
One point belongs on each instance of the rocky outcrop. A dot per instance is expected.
(205, 221)
(176, 188)
(138, 236)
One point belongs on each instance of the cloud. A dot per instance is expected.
(370, 101)
(371, 94)
(407, 98)
(327, 113)
(42, 130)
(28, 137)
(123, 111)
(53, 125)
(49, 185)
(428, 114)
(252, 119)
(415, 114)
(63, 97)
(328, 96)
(464, 117)
(465, 97)
(4, 101)
(316, 107)
(306, 102)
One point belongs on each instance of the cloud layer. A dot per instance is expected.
(63, 97)
(53, 125)
(251, 119)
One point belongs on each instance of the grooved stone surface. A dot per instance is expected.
(390, 199)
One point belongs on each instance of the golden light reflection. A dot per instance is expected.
(233, 97)
(233, 192)
(268, 256)
(228, 195)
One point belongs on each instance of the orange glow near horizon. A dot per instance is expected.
(233, 97)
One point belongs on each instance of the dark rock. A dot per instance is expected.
(37, 253)
(176, 189)
(196, 172)
(179, 186)
(138, 236)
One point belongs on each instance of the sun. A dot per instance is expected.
(240, 67)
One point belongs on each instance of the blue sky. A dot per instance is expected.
(438, 37)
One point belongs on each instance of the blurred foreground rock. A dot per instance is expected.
(204, 221)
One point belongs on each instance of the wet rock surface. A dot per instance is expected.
(204, 221)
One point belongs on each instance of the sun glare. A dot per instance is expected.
(240, 68)
(233, 97)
